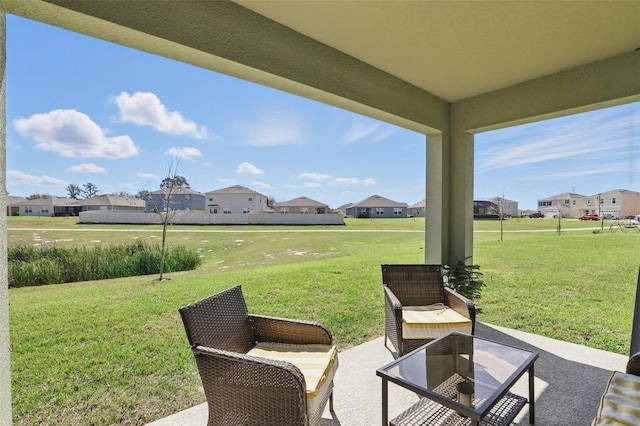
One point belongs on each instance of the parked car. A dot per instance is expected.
(589, 217)
(536, 215)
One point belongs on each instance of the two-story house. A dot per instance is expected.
(174, 199)
(564, 205)
(617, 203)
(235, 199)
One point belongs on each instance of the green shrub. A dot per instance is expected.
(33, 265)
(463, 278)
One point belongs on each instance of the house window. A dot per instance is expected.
(602, 200)
(214, 211)
(284, 210)
(250, 198)
(226, 210)
(246, 210)
(44, 209)
(613, 200)
(574, 202)
(397, 210)
(588, 201)
(304, 210)
(210, 198)
(28, 209)
(379, 210)
(104, 207)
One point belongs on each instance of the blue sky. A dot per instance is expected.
(83, 110)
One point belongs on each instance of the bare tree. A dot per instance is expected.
(166, 203)
(499, 207)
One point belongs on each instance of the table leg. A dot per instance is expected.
(532, 399)
(385, 403)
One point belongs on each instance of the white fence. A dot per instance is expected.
(200, 218)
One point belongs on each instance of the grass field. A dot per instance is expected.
(114, 352)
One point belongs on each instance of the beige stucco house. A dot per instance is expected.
(109, 203)
(235, 199)
(45, 206)
(301, 205)
(379, 207)
(566, 205)
(617, 203)
(447, 70)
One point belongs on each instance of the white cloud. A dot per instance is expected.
(71, 133)
(312, 185)
(314, 176)
(272, 129)
(354, 181)
(366, 128)
(145, 109)
(146, 175)
(226, 181)
(588, 136)
(184, 153)
(19, 178)
(86, 168)
(260, 185)
(249, 169)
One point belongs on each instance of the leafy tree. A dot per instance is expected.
(37, 196)
(74, 191)
(176, 181)
(89, 190)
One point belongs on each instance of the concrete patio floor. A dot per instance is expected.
(570, 379)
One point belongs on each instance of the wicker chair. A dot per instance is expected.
(243, 383)
(415, 296)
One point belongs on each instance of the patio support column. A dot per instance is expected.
(5, 358)
(460, 194)
(436, 201)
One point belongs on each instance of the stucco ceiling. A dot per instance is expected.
(459, 49)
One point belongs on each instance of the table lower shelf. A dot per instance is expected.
(428, 412)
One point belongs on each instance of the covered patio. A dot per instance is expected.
(569, 382)
(448, 70)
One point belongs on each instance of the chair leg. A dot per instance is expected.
(331, 402)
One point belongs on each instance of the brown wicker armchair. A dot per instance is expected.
(247, 363)
(419, 308)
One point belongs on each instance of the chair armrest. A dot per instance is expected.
(391, 299)
(461, 305)
(286, 330)
(633, 365)
(242, 388)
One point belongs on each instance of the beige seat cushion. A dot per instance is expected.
(620, 404)
(318, 364)
(433, 321)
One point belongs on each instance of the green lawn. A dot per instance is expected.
(114, 352)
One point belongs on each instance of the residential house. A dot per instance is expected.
(45, 206)
(509, 207)
(617, 203)
(417, 209)
(301, 205)
(565, 205)
(12, 205)
(378, 207)
(110, 203)
(174, 199)
(235, 199)
(484, 208)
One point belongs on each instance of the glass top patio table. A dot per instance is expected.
(467, 374)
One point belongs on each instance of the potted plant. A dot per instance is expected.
(464, 278)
